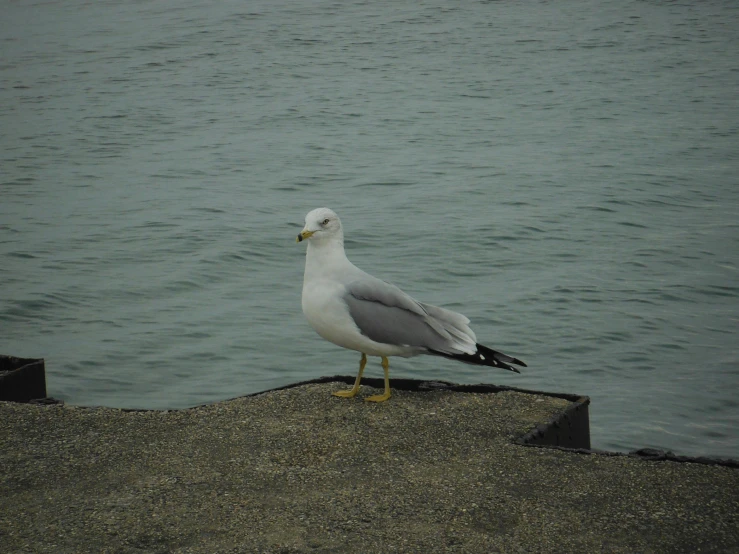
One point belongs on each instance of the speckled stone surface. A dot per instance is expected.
(297, 470)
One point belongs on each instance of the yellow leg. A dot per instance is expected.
(386, 395)
(351, 393)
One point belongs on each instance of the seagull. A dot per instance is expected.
(357, 311)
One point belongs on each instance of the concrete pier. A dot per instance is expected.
(435, 469)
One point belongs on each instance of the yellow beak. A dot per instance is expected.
(304, 235)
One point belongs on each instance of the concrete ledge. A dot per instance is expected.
(297, 470)
(22, 379)
(569, 428)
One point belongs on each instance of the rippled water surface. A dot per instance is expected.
(564, 173)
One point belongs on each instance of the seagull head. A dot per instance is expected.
(321, 225)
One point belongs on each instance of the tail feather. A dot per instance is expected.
(484, 356)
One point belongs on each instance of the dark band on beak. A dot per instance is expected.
(305, 235)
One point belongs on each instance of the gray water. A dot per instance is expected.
(564, 173)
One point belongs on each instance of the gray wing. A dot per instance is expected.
(386, 314)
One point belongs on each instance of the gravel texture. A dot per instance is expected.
(297, 470)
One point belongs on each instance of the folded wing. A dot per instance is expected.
(387, 315)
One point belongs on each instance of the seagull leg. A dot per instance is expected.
(386, 394)
(351, 393)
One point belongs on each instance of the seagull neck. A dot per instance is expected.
(322, 255)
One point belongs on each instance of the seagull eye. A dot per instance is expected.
(324, 222)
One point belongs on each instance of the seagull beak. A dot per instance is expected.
(304, 235)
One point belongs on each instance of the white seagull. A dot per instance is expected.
(357, 311)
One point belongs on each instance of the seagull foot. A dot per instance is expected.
(351, 393)
(378, 397)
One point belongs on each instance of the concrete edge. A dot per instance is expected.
(22, 379)
(562, 432)
(568, 431)
(573, 421)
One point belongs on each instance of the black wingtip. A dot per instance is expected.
(486, 357)
(498, 358)
(502, 365)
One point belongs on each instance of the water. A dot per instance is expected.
(562, 173)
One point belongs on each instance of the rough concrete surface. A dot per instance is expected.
(297, 470)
